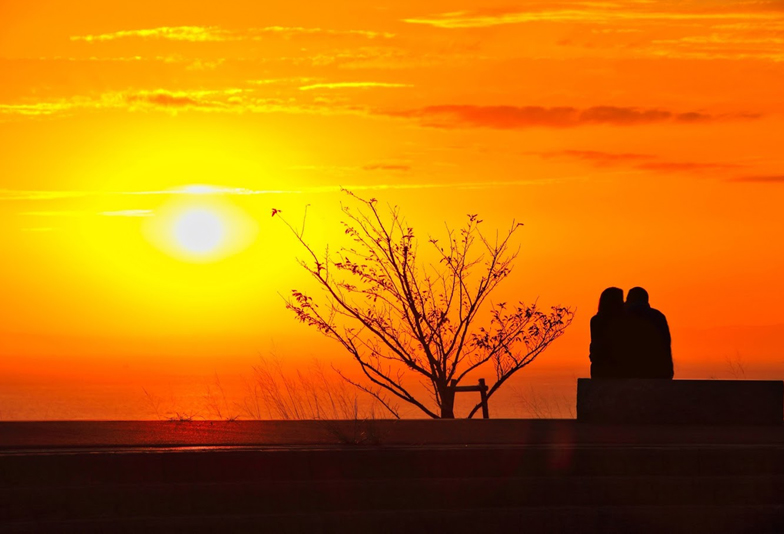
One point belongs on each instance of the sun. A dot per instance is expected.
(199, 231)
(201, 224)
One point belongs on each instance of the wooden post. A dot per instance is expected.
(483, 393)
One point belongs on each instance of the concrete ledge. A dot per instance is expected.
(700, 402)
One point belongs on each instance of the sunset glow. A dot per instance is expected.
(146, 144)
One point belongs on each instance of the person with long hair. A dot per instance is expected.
(605, 362)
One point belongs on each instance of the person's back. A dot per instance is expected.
(603, 350)
(645, 339)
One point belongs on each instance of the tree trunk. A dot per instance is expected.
(447, 395)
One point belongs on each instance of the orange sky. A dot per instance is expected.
(640, 142)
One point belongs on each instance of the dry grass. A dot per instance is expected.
(217, 404)
(343, 411)
(538, 406)
(274, 394)
(736, 366)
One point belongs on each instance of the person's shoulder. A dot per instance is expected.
(656, 317)
(656, 313)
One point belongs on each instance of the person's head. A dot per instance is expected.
(637, 296)
(611, 300)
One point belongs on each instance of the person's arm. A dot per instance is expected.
(594, 349)
(665, 331)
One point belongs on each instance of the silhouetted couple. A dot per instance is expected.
(629, 340)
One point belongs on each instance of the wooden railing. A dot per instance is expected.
(481, 388)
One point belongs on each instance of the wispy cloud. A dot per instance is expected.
(734, 46)
(88, 213)
(54, 213)
(733, 30)
(344, 85)
(492, 184)
(600, 159)
(686, 166)
(218, 34)
(643, 162)
(231, 100)
(720, 39)
(240, 191)
(391, 57)
(189, 190)
(208, 190)
(189, 99)
(586, 13)
(128, 213)
(290, 31)
(387, 167)
(515, 117)
(276, 81)
(169, 100)
(760, 179)
(173, 33)
(17, 194)
(432, 185)
(37, 109)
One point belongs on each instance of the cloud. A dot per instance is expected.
(583, 12)
(391, 57)
(516, 117)
(342, 85)
(57, 213)
(600, 159)
(669, 166)
(130, 100)
(165, 99)
(127, 213)
(735, 30)
(174, 33)
(232, 100)
(34, 195)
(207, 190)
(35, 109)
(210, 190)
(718, 39)
(15, 194)
(760, 179)
(637, 161)
(291, 31)
(449, 185)
(275, 81)
(84, 213)
(340, 171)
(185, 99)
(217, 34)
(386, 167)
(736, 45)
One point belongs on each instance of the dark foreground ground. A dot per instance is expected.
(389, 476)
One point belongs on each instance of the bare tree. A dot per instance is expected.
(400, 320)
